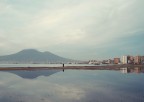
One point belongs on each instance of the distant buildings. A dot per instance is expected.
(116, 60)
(124, 60)
(127, 59)
(132, 59)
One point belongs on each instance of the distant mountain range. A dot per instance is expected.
(33, 56)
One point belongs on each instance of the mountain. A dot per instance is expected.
(33, 56)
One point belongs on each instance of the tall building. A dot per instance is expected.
(116, 60)
(137, 60)
(124, 59)
(130, 60)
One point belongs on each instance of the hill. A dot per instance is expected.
(33, 56)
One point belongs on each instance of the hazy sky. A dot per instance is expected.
(77, 29)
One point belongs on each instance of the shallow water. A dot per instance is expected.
(72, 86)
(43, 65)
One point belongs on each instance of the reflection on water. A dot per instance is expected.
(31, 74)
(71, 86)
(132, 70)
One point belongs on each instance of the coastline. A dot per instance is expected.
(106, 67)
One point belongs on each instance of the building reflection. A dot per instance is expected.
(132, 70)
(124, 70)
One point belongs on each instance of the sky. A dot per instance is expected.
(76, 29)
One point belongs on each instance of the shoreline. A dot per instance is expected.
(106, 67)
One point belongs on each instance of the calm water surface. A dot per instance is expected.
(43, 65)
(71, 86)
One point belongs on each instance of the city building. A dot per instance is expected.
(94, 62)
(124, 59)
(130, 59)
(116, 60)
(142, 59)
(137, 60)
(109, 61)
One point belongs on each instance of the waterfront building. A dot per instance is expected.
(137, 60)
(116, 60)
(130, 59)
(109, 61)
(142, 59)
(94, 62)
(105, 62)
(124, 59)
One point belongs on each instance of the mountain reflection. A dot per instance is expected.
(32, 74)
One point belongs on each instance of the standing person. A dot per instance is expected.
(63, 66)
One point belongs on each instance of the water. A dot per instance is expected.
(43, 65)
(72, 86)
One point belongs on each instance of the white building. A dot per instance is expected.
(94, 62)
(124, 59)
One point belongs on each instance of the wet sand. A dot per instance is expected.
(105, 67)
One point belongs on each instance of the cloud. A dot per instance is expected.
(49, 25)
